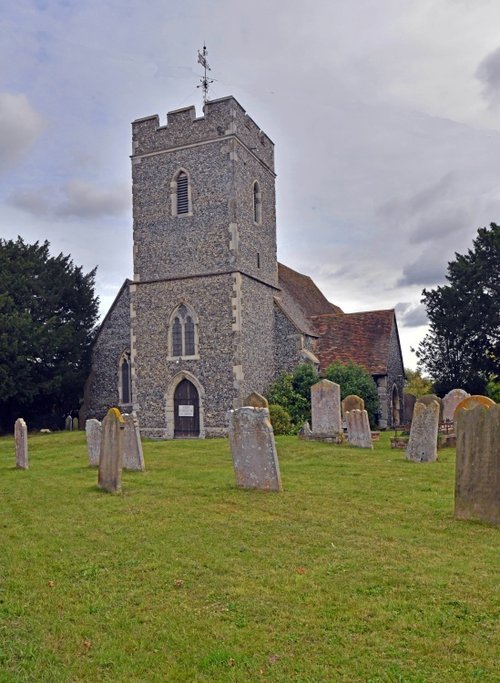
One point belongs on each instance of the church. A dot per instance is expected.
(210, 315)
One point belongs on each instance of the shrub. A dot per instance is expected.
(354, 379)
(292, 391)
(280, 419)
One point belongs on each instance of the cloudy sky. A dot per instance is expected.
(384, 113)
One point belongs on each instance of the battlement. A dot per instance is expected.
(221, 118)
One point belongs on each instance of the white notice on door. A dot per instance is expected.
(186, 411)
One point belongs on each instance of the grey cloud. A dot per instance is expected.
(428, 269)
(20, 125)
(410, 314)
(488, 72)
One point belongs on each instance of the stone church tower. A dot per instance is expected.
(205, 269)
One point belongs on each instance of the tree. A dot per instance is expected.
(48, 313)
(292, 391)
(462, 348)
(416, 384)
(354, 379)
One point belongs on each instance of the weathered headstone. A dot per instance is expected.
(477, 476)
(255, 400)
(325, 409)
(253, 450)
(409, 404)
(68, 423)
(358, 429)
(305, 431)
(352, 402)
(21, 439)
(422, 445)
(427, 399)
(451, 401)
(75, 424)
(133, 458)
(111, 459)
(93, 433)
(473, 401)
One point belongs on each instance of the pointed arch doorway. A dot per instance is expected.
(186, 410)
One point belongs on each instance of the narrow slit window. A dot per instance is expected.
(182, 193)
(257, 203)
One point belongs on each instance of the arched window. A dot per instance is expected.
(257, 204)
(124, 379)
(181, 194)
(183, 333)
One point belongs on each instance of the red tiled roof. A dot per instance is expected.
(363, 338)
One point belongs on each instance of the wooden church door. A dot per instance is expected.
(186, 410)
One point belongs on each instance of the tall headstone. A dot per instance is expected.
(427, 399)
(477, 476)
(93, 433)
(133, 458)
(408, 406)
(68, 423)
(352, 402)
(325, 409)
(358, 429)
(74, 425)
(111, 459)
(451, 401)
(256, 400)
(473, 401)
(253, 450)
(422, 445)
(21, 439)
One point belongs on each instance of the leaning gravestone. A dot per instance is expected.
(422, 445)
(352, 402)
(325, 409)
(133, 458)
(253, 450)
(21, 439)
(358, 429)
(68, 423)
(427, 399)
(473, 401)
(255, 400)
(477, 475)
(93, 432)
(408, 406)
(110, 462)
(451, 401)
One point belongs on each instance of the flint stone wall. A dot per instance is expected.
(325, 409)
(477, 478)
(21, 440)
(422, 445)
(93, 434)
(253, 450)
(358, 429)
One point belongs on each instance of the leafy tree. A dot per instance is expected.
(48, 313)
(354, 379)
(416, 384)
(292, 391)
(462, 348)
(493, 388)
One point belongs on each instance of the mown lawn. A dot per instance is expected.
(357, 572)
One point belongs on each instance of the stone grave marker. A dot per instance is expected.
(451, 401)
(325, 409)
(253, 450)
(473, 401)
(68, 423)
(75, 424)
(422, 444)
(352, 402)
(477, 474)
(427, 399)
(111, 459)
(93, 433)
(255, 400)
(133, 458)
(358, 429)
(408, 405)
(305, 431)
(21, 439)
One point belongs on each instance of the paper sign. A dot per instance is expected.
(186, 411)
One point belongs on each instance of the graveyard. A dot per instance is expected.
(356, 571)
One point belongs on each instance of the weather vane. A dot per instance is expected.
(204, 81)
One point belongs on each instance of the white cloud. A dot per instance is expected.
(20, 126)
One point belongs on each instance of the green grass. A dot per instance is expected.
(357, 572)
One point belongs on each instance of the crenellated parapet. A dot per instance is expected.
(222, 118)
